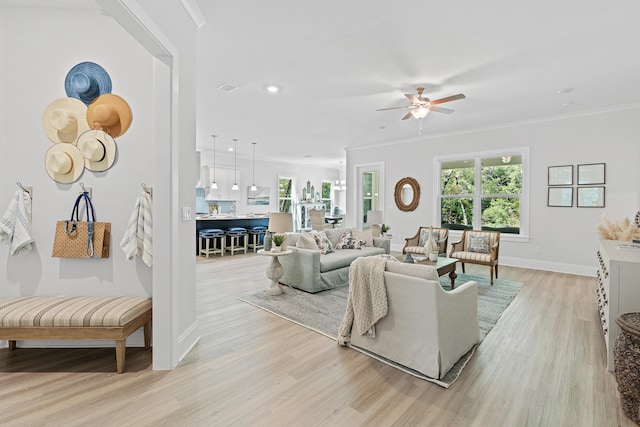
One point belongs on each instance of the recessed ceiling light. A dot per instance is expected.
(567, 104)
(308, 155)
(227, 87)
(382, 127)
(565, 90)
(272, 88)
(230, 149)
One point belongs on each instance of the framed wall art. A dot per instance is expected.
(560, 197)
(560, 175)
(591, 174)
(258, 197)
(590, 197)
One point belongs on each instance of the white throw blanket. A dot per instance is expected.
(15, 225)
(367, 300)
(138, 237)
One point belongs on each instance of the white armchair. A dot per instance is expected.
(426, 328)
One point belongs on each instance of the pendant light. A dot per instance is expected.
(213, 184)
(235, 166)
(253, 179)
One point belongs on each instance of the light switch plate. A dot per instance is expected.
(186, 213)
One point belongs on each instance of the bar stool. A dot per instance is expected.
(235, 234)
(256, 235)
(213, 235)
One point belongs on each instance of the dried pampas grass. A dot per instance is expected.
(624, 229)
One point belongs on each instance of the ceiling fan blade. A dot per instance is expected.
(394, 108)
(441, 110)
(407, 116)
(448, 99)
(414, 99)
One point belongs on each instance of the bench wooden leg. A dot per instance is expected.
(147, 335)
(12, 345)
(121, 348)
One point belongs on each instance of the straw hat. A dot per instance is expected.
(98, 150)
(64, 163)
(86, 81)
(64, 120)
(110, 113)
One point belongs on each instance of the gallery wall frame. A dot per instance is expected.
(591, 174)
(560, 197)
(591, 197)
(560, 175)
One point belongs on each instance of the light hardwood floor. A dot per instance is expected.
(543, 364)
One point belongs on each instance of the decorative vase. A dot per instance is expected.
(431, 247)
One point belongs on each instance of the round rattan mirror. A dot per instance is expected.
(407, 194)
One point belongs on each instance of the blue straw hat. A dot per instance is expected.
(86, 81)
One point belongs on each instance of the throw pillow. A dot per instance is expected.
(323, 242)
(389, 258)
(306, 241)
(424, 236)
(479, 243)
(363, 235)
(347, 241)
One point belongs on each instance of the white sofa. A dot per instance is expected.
(426, 328)
(311, 271)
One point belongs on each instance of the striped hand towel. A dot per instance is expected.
(15, 225)
(137, 240)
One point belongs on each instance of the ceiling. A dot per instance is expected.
(337, 62)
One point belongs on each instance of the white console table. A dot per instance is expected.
(618, 288)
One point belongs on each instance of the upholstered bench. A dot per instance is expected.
(75, 318)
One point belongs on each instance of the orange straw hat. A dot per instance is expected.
(110, 113)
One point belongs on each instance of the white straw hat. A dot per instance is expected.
(64, 163)
(64, 120)
(98, 149)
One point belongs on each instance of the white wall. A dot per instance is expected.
(566, 237)
(43, 46)
(266, 175)
(35, 68)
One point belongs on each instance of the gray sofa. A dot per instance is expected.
(311, 271)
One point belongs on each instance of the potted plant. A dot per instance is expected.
(384, 228)
(278, 239)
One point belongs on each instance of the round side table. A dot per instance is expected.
(274, 271)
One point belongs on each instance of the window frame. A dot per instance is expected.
(328, 201)
(477, 196)
(293, 192)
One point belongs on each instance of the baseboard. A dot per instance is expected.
(187, 340)
(557, 267)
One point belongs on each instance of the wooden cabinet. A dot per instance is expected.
(618, 288)
(225, 179)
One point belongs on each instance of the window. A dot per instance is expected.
(325, 196)
(483, 191)
(369, 193)
(285, 192)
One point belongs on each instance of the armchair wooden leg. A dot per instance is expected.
(491, 274)
(496, 271)
(462, 266)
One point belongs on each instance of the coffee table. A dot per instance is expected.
(444, 265)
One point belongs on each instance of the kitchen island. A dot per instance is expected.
(224, 222)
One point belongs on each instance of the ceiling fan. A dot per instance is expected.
(421, 106)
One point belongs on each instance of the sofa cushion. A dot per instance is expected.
(306, 241)
(363, 235)
(416, 270)
(348, 241)
(334, 235)
(344, 258)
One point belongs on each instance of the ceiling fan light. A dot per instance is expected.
(420, 112)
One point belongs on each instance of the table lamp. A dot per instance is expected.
(279, 223)
(374, 219)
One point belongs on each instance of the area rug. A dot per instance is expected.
(322, 312)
